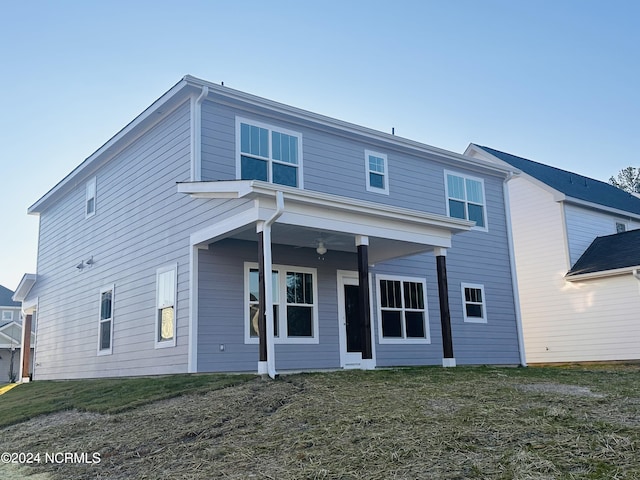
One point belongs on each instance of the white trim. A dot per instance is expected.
(352, 360)
(402, 340)
(282, 303)
(109, 288)
(271, 129)
(90, 194)
(385, 174)
(172, 341)
(194, 260)
(483, 304)
(602, 274)
(448, 362)
(464, 176)
(196, 133)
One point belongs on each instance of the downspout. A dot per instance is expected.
(512, 264)
(196, 135)
(268, 286)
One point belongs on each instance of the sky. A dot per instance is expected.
(556, 81)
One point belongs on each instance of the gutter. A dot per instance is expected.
(268, 286)
(196, 135)
(514, 275)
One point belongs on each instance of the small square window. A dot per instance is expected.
(377, 176)
(474, 303)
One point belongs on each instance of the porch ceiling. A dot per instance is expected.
(311, 217)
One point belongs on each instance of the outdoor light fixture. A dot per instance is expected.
(80, 266)
(321, 250)
(89, 262)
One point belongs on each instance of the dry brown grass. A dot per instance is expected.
(482, 423)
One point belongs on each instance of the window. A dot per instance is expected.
(621, 227)
(473, 303)
(269, 154)
(376, 171)
(166, 284)
(295, 315)
(105, 323)
(90, 198)
(465, 198)
(7, 315)
(402, 313)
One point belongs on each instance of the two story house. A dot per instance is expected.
(10, 336)
(223, 232)
(577, 250)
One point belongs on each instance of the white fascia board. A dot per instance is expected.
(350, 128)
(603, 274)
(24, 287)
(152, 114)
(600, 207)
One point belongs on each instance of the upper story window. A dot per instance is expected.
(90, 198)
(402, 310)
(270, 154)
(465, 198)
(474, 303)
(376, 171)
(166, 286)
(621, 227)
(7, 315)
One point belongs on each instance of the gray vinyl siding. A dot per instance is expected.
(221, 308)
(138, 227)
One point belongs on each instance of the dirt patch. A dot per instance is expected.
(560, 389)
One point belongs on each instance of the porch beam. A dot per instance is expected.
(362, 243)
(445, 314)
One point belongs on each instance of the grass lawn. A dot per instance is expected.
(478, 423)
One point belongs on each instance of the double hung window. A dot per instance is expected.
(90, 198)
(105, 323)
(269, 154)
(294, 296)
(474, 303)
(402, 313)
(376, 171)
(166, 285)
(465, 198)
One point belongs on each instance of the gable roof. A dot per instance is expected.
(611, 252)
(5, 298)
(572, 184)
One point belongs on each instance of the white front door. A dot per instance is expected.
(350, 335)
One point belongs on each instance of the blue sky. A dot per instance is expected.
(554, 81)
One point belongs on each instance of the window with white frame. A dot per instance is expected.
(268, 153)
(295, 305)
(465, 198)
(166, 286)
(90, 198)
(402, 312)
(376, 171)
(621, 227)
(474, 308)
(7, 315)
(105, 322)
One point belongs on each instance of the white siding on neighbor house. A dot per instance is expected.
(594, 320)
(584, 225)
(541, 263)
(604, 324)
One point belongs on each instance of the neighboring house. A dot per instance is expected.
(577, 255)
(151, 251)
(10, 335)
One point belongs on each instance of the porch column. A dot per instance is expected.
(262, 317)
(445, 315)
(26, 348)
(362, 242)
